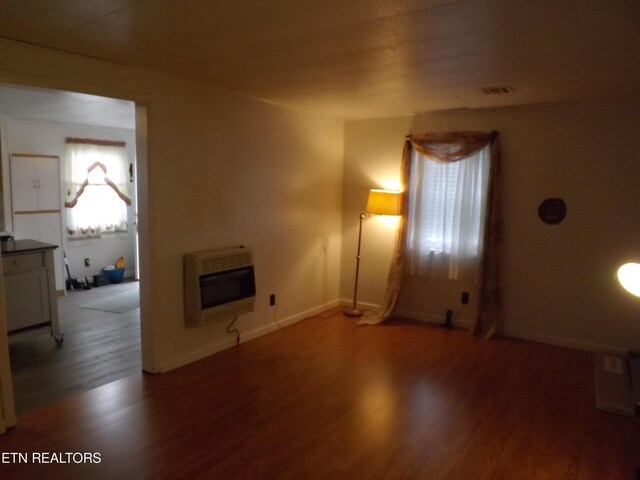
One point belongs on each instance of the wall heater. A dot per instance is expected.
(219, 284)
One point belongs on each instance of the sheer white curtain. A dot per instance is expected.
(446, 218)
(97, 189)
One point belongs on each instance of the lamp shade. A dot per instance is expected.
(629, 278)
(383, 202)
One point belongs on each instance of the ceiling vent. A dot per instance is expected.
(496, 90)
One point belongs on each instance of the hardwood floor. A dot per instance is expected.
(99, 347)
(326, 399)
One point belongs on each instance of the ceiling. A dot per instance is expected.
(356, 58)
(66, 107)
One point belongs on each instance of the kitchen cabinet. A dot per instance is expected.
(36, 203)
(29, 286)
(35, 183)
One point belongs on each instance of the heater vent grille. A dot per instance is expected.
(230, 311)
(225, 262)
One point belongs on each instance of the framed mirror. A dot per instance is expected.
(552, 211)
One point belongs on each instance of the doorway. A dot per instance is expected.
(102, 339)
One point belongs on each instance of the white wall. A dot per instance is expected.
(221, 170)
(558, 281)
(255, 174)
(48, 138)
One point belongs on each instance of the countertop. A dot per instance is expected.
(10, 247)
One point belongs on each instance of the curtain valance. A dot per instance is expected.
(450, 146)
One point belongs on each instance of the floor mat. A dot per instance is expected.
(120, 303)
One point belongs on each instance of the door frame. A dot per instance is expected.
(148, 357)
(7, 410)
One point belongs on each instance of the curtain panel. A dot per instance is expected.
(452, 147)
(96, 187)
(447, 209)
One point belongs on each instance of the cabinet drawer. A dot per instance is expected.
(20, 262)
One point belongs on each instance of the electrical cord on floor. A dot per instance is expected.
(230, 331)
(275, 316)
(454, 315)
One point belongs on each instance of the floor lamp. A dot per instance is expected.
(617, 378)
(629, 278)
(380, 202)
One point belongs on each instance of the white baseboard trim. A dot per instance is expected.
(244, 337)
(564, 342)
(434, 319)
(410, 314)
(273, 326)
(183, 360)
(522, 335)
(414, 315)
(343, 302)
(509, 333)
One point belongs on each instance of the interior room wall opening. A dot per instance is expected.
(69, 187)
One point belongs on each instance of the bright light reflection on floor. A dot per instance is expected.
(378, 408)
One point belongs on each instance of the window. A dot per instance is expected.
(447, 207)
(97, 188)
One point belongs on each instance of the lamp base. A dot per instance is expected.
(352, 312)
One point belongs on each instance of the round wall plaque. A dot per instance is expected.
(552, 211)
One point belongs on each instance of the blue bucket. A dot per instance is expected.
(114, 276)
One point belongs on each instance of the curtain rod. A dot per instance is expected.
(93, 141)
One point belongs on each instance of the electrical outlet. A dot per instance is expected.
(465, 298)
(272, 299)
(613, 365)
(87, 262)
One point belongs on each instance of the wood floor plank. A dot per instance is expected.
(326, 399)
(99, 348)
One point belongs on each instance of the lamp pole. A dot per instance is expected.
(354, 312)
(379, 202)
